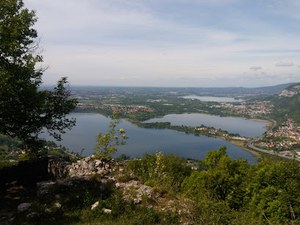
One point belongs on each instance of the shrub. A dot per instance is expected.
(107, 142)
(166, 172)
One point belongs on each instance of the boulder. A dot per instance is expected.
(95, 205)
(23, 207)
(107, 211)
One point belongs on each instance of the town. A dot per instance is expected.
(251, 109)
(122, 109)
(285, 140)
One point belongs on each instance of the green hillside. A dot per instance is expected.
(286, 107)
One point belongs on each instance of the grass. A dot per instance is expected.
(133, 215)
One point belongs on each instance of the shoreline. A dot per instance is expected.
(239, 143)
(243, 145)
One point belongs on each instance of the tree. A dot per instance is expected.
(107, 143)
(213, 157)
(25, 109)
(222, 180)
(275, 187)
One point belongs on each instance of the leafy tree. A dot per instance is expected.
(275, 187)
(222, 180)
(213, 157)
(25, 109)
(107, 143)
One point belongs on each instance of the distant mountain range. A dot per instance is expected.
(226, 91)
(238, 91)
(181, 91)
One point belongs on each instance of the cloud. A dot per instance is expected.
(288, 8)
(144, 42)
(255, 68)
(284, 64)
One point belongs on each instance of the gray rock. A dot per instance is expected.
(107, 211)
(95, 205)
(32, 215)
(100, 171)
(84, 165)
(57, 205)
(98, 163)
(87, 159)
(43, 187)
(23, 207)
(145, 191)
(91, 166)
(137, 200)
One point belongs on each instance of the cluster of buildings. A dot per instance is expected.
(284, 139)
(290, 92)
(124, 109)
(289, 129)
(249, 108)
(208, 130)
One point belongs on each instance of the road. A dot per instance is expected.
(251, 146)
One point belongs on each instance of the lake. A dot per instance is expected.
(244, 127)
(141, 140)
(212, 98)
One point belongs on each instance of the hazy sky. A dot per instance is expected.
(170, 42)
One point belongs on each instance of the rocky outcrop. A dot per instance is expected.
(88, 181)
(135, 191)
(57, 168)
(84, 167)
(90, 166)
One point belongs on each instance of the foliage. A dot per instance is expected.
(25, 109)
(107, 143)
(274, 187)
(8, 141)
(7, 145)
(221, 181)
(165, 172)
(222, 191)
(286, 108)
(228, 190)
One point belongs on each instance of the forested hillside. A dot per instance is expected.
(287, 105)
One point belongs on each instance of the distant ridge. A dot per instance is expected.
(287, 103)
(217, 91)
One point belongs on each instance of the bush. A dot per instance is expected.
(166, 172)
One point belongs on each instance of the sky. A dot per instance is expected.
(177, 43)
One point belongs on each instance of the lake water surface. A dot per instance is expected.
(142, 140)
(244, 127)
(212, 98)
